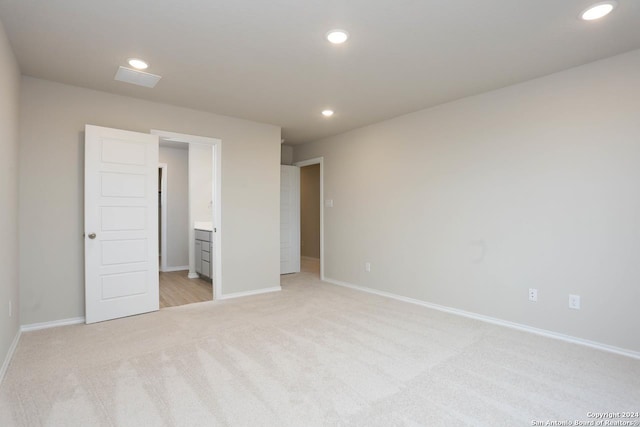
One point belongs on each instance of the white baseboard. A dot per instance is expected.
(179, 268)
(192, 275)
(493, 320)
(52, 324)
(9, 356)
(249, 293)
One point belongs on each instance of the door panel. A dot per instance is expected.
(122, 218)
(121, 214)
(123, 185)
(117, 151)
(122, 285)
(124, 251)
(289, 219)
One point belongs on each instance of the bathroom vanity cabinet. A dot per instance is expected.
(204, 252)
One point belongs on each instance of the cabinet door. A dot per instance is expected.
(206, 269)
(198, 257)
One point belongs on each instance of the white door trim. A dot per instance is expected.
(163, 219)
(309, 162)
(217, 193)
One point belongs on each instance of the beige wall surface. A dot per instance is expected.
(177, 237)
(310, 211)
(286, 155)
(52, 120)
(471, 203)
(10, 90)
(201, 182)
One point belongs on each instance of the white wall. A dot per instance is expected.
(201, 182)
(471, 203)
(177, 237)
(10, 90)
(51, 189)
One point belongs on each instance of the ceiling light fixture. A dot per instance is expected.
(138, 64)
(598, 10)
(337, 36)
(327, 113)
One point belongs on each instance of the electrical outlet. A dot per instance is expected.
(574, 302)
(533, 294)
(10, 308)
(328, 203)
(367, 267)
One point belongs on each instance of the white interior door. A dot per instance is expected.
(289, 219)
(121, 223)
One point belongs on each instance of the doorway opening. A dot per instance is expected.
(312, 216)
(189, 218)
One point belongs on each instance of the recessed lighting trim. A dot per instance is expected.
(327, 113)
(598, 10)
(138, 64)
(337, 36)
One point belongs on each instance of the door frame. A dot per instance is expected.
(163, 217)
(216, 144)
(309, 162)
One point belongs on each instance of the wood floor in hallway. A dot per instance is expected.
(177, 289)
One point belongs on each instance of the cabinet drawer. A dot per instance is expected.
(199, 266)
(205, 256)
(206, 268)
(203, 235)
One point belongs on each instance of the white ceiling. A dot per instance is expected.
(268, 61)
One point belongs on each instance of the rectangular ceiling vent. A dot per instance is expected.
(136, 77)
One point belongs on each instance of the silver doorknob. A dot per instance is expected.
(92, 235)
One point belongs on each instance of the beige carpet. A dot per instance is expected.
(313, 354)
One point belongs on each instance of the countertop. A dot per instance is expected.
(203, 225)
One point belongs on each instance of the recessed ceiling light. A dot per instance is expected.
(337, 36)
(327, 113)
(598, 10)
(138, 63)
